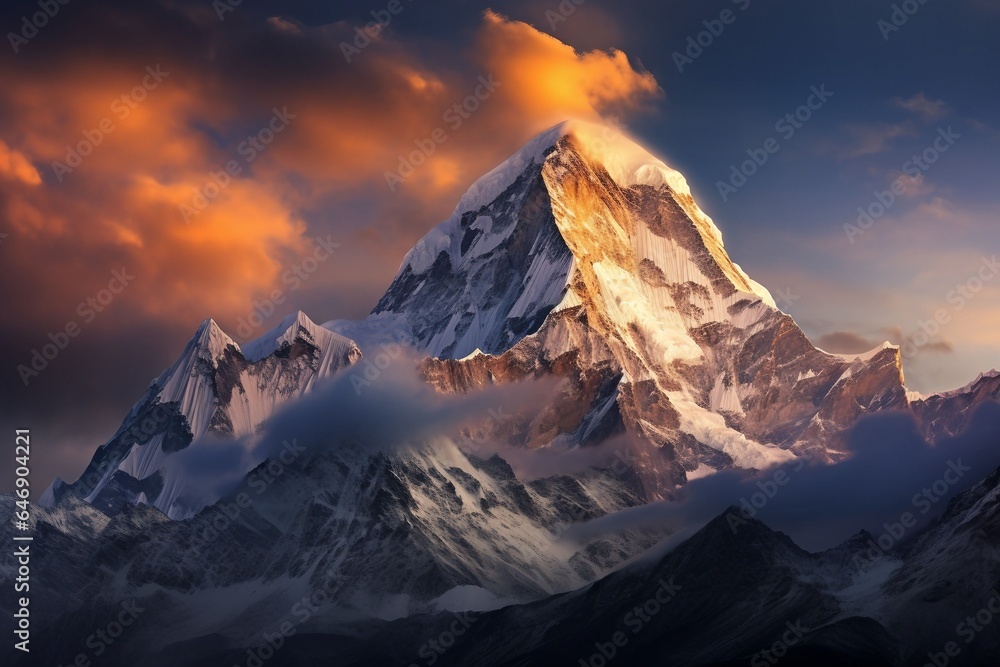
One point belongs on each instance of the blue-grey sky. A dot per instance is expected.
(894, 86)
(182, 87)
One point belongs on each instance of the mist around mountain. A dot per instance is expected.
(572, 431)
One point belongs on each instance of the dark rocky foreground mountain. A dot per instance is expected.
(359, 516)
(724, 596)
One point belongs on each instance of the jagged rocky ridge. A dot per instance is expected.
(586, 258)
(582, 258)
(723, 596)
(216, 388)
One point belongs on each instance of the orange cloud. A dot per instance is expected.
(113, 143)
(119, 154)
(16, 166)
(362, 120)
(358, 118)
(549, 81)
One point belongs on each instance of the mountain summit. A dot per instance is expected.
(582, 261)
(586, 257)
(581, 257)
(216, 388)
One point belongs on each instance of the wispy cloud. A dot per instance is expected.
(824, 504)
(846, 342)
(928, 110)
(862, 139)
(852, 342)
(913, 186)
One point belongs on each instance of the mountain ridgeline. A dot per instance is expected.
(583, 265)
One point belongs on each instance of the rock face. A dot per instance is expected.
(217, 389)
(721, 597)
(583, 261)
(362, 535)
(948, 413)
(585, 258)
(738, 592)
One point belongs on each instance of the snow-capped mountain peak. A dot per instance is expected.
(216, 388)
(584, 257)
(582, 260)
(290, 328)
(489, 274)
(586, 253)
(211, 339)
